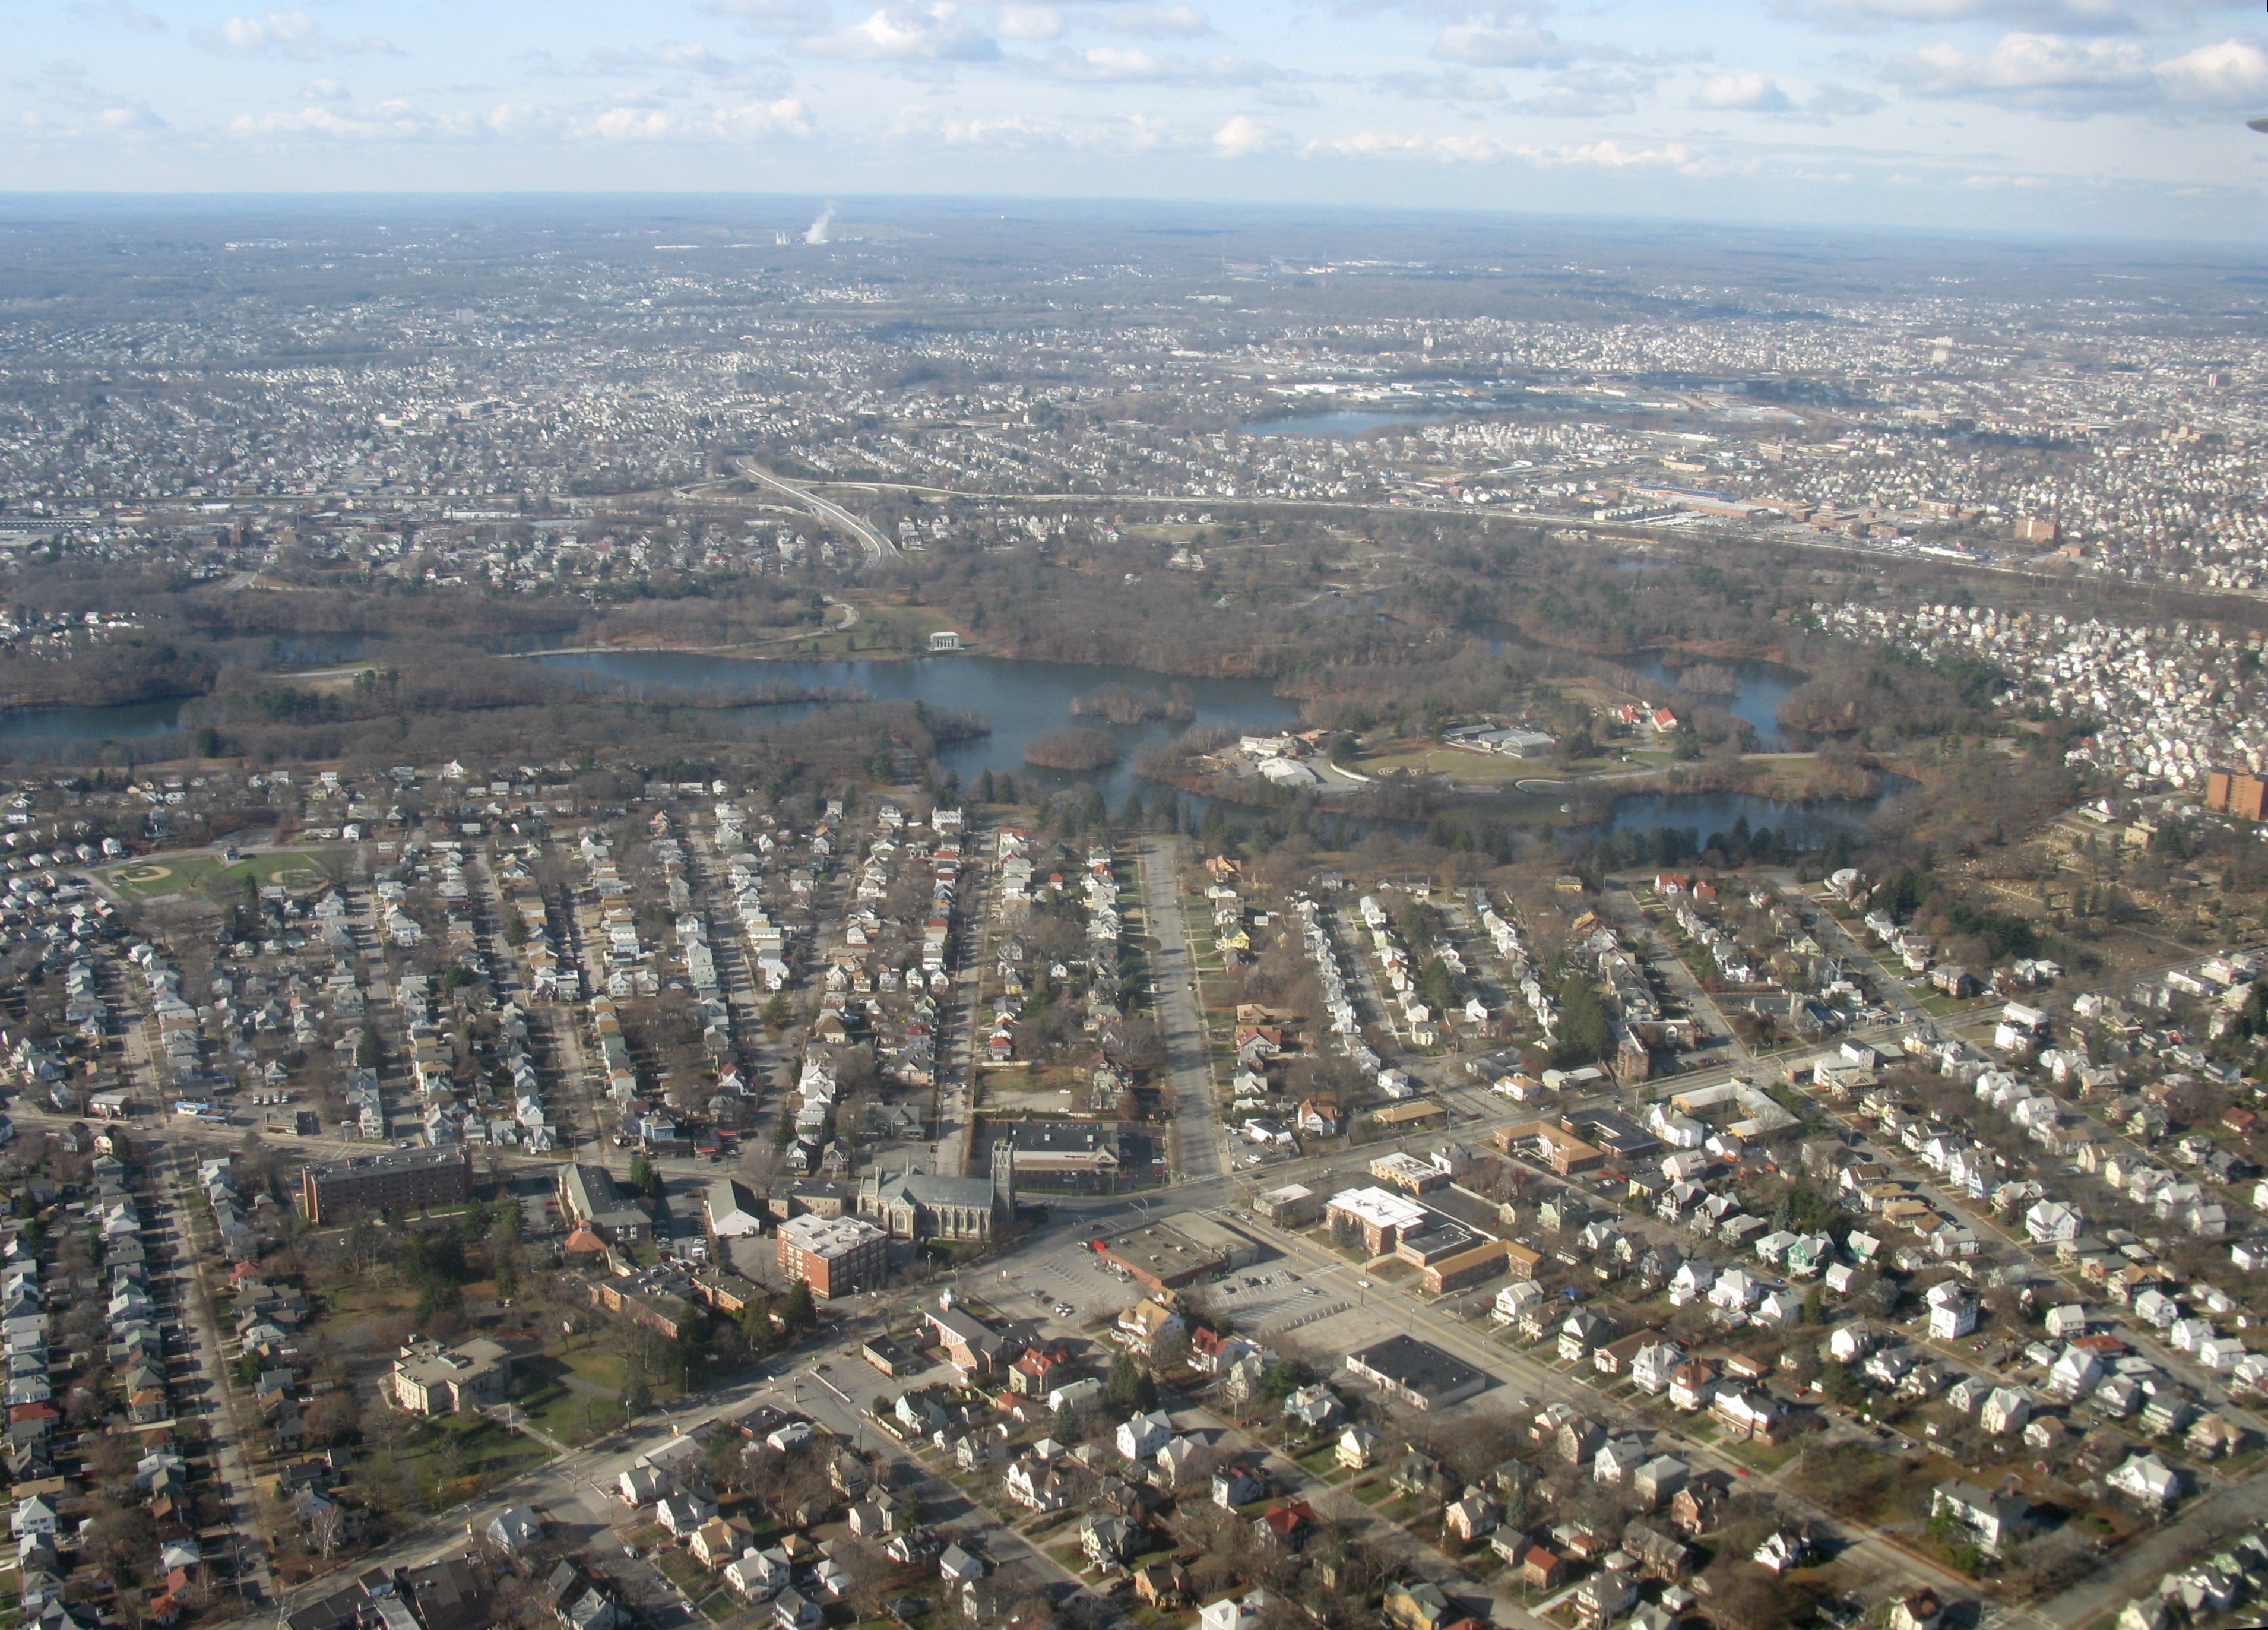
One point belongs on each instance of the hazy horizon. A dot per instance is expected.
(2122, 118)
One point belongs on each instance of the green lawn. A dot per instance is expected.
(455, 1457)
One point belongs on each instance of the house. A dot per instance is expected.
(1416, 1605)
(1656, 1550)
(1288, 1527)
(1357, 1449)
(1471, 1515)
(516, 1527)
(2148, 1479)
(683, 1513)
(1108, 1540)
(1654, 1366)
(1918, 1610)
(720, 1540)
(1542, 1568)
(2006, 1410)
(1234, 1485)
(1141, 1436)
(1234, 1612)
(1162, 1585)
(1993, 1520)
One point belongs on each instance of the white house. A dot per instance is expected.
(1142, 1436)
(2005, 1411)
(2148, 1479)
(1952, 1312)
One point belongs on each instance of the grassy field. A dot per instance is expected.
(456, 1457)
(160, 876)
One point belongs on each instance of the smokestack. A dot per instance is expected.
(817, 232)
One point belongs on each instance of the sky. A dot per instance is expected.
(2091, 117)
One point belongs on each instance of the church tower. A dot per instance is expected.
(1004, 1172)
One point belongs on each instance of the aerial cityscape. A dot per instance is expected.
(1036, 916)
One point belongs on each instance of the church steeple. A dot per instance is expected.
(1003, 1172)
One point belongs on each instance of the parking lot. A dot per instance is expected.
(1070, 1276)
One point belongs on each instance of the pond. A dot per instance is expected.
(1023, 700)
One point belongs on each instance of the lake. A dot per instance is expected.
(1763, 687)
(1720, 812)
(129, 722)
(1023, 700)
(1341, 422)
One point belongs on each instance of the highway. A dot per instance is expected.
(878, 548)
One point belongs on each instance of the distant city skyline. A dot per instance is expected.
(2116, 117)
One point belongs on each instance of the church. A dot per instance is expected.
(911, 1204)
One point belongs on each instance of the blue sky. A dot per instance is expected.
(2093, 117)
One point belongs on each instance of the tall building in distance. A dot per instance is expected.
(399, 1180)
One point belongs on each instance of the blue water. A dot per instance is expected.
(1763, 687)
(1721, 812)
(129, 722)
(1023, 700)
(1341, 423)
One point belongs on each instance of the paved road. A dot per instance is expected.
(1197, 1119)
(879, 548)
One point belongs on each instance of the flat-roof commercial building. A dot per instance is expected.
(1417, 1373)
(1383, 1219)
(1294, 1205)
(1483, 1259)
(1562, 1150)
(1410, 1116)
(1066, 1148)
(835, 1256)
(1401, 1170)
(399, 1180)
(1178, 1251)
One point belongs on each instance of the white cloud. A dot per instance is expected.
(2083, 16)
(1116, 65)
(1443, 87)
(1243, 136)
(1748, 92)
(2054, 74)
(775, 17)
(1158, 22)
(324, 90)
(908, 33)
(393, 119)
(1131, 133)
(2045, 71)
(1611, 155)
(1030, 22)
(76, 104)
(738, 122)
(1500, 42)
(2233, 73)
(291, 35)
(1587, 93)
(122, 11)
